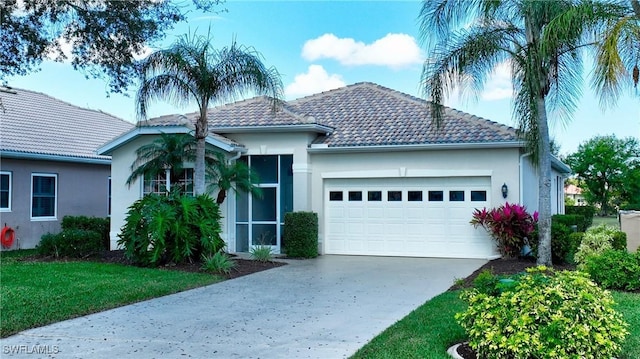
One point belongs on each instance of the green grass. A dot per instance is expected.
(33, 294)
(430, 330)
(610, 220)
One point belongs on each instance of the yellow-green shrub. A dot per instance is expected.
(544, 315)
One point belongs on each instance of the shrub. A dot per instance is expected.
(173, 228)
(220, 262)
(631, 207)
(97, 224)
(614, 269)
(544, 315)
(261, 253)
(586, 211)
(508, 224)
(595, 241)
(72, 243)
(619, 241)
(571, 220)
(301, 234)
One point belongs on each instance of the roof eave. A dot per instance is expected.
(127, 137)
(49, 157)
(414, 147)
(560, 166)
(275, 128)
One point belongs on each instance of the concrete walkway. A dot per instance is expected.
(327, 307)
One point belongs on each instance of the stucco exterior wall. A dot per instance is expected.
(82, 190)
(499, 164)
(530, 188)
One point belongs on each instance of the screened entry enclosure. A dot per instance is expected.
(260, 221)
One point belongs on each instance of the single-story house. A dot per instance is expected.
(368, 159)
(48, 163)
(575, 193)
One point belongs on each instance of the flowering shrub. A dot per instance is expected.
(508, 224)
(544, 314)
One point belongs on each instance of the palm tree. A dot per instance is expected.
(618, 54)
(191, 70)
(224, 176)
(167, 152)
(541, 40)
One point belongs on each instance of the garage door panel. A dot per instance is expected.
(420, 227)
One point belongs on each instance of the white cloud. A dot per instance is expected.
(393, 50)
(499, 85)
(315, 80)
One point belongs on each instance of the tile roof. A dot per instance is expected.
(362, 114)
(37, 124)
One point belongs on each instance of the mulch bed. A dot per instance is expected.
(243, 266)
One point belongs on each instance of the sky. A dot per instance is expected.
(322, 45)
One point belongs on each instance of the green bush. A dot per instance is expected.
(571, 220)
(220, 262)
(614, 269)
(301, 234)
(97, 224)
(261, 253)
(544, 315)
(71, 243)
(619, 241)
(597, 240)
(564, 242)
(586, 211)
(174, 228)
(631, 207)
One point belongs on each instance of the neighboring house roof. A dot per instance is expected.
(37, 126)
(573, 190)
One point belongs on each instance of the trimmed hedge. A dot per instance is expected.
(615, 269)
(72, 243)
(301, 234)
(97, 224)
(571, 220)
(587, 211)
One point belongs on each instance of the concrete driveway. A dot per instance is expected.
(327, 307)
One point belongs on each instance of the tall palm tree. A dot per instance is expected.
(169, 151)
(542, 42)
(192, 71)
(618, 53)
(224, 176)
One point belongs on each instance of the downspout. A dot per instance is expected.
(229, 217)
(522, 176)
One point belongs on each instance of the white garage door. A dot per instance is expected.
(416, 217)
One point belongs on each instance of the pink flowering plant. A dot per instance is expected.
(508, 224)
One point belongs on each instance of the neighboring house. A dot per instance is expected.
(383, 180)
(48, 164)
(574, 192)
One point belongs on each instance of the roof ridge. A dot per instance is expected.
(62, 102)
(329, 92)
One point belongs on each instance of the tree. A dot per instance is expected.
(609, 168)
(193, 71)
(224, 176)
(104, 35)
(618, 54)
(541, 40)
(167, 152)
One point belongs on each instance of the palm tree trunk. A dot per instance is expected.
(222, 195)
(201, 133)
(544, 186)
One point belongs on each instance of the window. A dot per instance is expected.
(436, 196)
(335, 196)
(5, 191)
(414, 196)
(355, 196)
(394, 196)
(159, 184)
(374, 196)
(43, 195)
(478, 196)
(456, 196)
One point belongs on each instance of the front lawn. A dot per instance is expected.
(428, 331)
(39, 293)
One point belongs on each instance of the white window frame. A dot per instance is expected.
(109, 196)
(55, 202)
(10, 174)
(167, 181)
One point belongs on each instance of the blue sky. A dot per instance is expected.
(317, 46)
